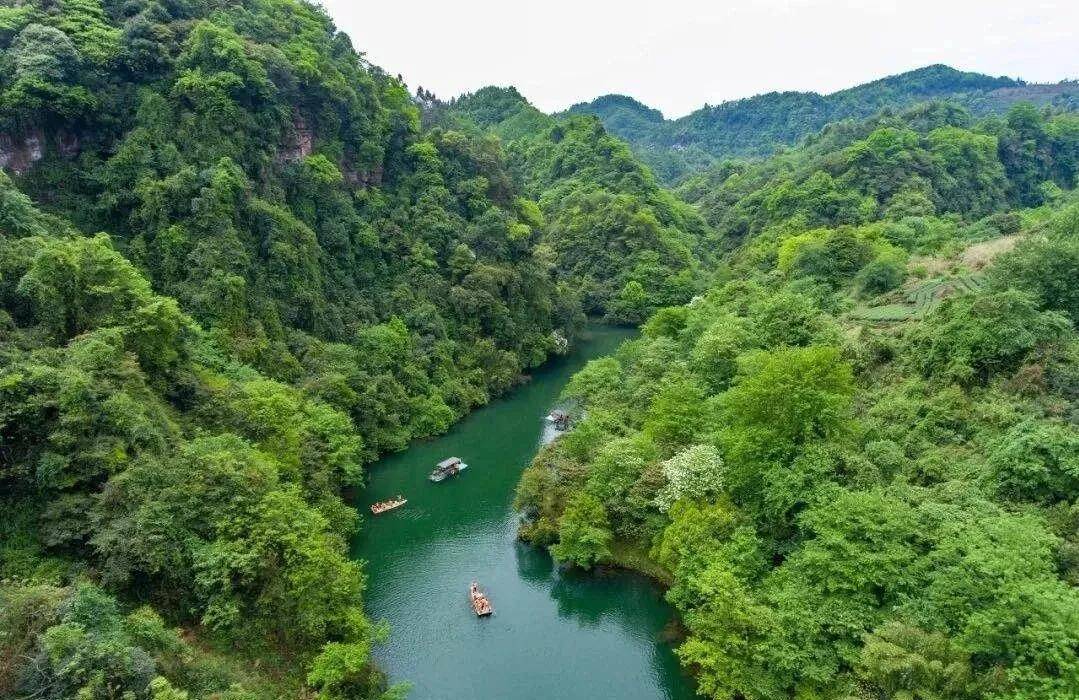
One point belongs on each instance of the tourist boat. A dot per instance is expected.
(387, 505)
(480, 604)
(560, 419)
(447, 468)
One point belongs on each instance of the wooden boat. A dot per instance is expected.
(387, 505)
(480, 604)
(447, 468)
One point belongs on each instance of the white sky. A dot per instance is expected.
(676, 55)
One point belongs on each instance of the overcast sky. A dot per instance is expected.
(676, 55)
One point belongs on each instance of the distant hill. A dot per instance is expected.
(755, 126)
(499, 110)
(625, 243)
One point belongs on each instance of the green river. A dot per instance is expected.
(554, 634)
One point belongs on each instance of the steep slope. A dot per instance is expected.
(296, 277)
(755, 126)
(825, 490)
(627, 243)
(282, 191)
(141, 459)
(931, 160)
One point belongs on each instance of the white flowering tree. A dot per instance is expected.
(696, 473)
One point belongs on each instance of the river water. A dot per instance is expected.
(555, 634)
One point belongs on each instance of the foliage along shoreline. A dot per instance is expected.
(238, 262)
(832, 492)
(301, 267)
(297, 277)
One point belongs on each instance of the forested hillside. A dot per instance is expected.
(855, 459)
(627, 244)
(234, 268)
(238, 263)
(756, 126)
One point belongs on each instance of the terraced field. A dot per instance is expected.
(918, 300)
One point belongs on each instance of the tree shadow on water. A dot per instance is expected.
(610, 596)
(534, 564)
(578, 593)
(581, 595)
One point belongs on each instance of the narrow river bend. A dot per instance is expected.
(554, 635)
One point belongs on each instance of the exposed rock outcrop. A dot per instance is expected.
(300, 142)
(361, 178)
(67, 144)
(19, 152)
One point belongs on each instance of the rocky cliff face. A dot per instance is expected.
(19, 152)
(299, 143)
(368, 178)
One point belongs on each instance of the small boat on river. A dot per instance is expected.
(480, 603)
(560, 420)
(447, 468)
(389, 504)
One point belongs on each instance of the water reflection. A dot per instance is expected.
(534, 565)
(555, 634)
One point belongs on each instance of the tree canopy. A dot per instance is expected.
(857, 476)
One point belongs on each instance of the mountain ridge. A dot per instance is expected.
(1004, 81)
(755, 126)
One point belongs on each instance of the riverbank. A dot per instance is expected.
(554, 633)
(633, 556)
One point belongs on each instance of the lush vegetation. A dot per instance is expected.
(843, 508)
(757, 126)
(296, 277)
(238, 262)
(625, 243)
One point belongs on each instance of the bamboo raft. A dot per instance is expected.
(388, 505)
(480, 604)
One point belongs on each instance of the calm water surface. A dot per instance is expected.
(554, 634)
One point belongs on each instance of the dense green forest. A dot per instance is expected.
(238, 263)
(625, 243)
(238, 259)
(855, 459)
(757, 126)
(234, 268)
